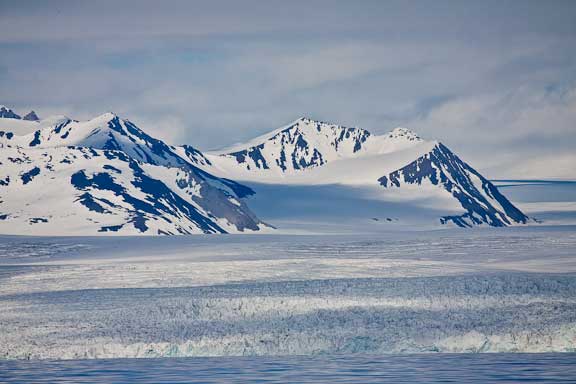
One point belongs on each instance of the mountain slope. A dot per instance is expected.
(7, 113)
(406, 167)
(478, 196)
(31, 116)
(107, 176)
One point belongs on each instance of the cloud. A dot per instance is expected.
(494, 80)
(523, 133)
(558, 166)
(508, 117)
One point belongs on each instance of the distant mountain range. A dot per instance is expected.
(106, 175)
(7, 113)
(312, 152)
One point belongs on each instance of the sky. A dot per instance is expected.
(493, 80)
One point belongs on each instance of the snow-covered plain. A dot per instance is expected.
(482, 290)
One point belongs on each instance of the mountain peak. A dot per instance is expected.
(31, 116)
(404, 133)
(310, 121)
(106, 116)
(8, 113)
(302, 122)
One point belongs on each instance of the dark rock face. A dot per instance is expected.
(195, 156)
(293, 149)
(483, 203)
(161, 201)
(28, 176)
(31, 116)
(36, 220)
(254, 153)
(36, 140)
(7, 113)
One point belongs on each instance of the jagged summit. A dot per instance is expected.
(310, 122)
(305, 119)
(31, 116)
(8, 113)
(301, 144)
(106, 116)
(403, 133)
(107, 132)
(307, 143)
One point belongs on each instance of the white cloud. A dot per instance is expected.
(526, 133)
(214, 73)
(558, 166)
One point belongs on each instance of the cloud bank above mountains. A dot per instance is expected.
(496, 80)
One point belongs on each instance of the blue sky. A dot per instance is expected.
(494, 80)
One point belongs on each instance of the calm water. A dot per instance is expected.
(431, 368)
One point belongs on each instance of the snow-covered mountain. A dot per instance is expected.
(8, 113)
(63, 176)
(300, 145)
(403, 166)
(107, 132)
(480, 199)
(106, 175)
(306, 144)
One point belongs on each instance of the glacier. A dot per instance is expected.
(492, 290)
